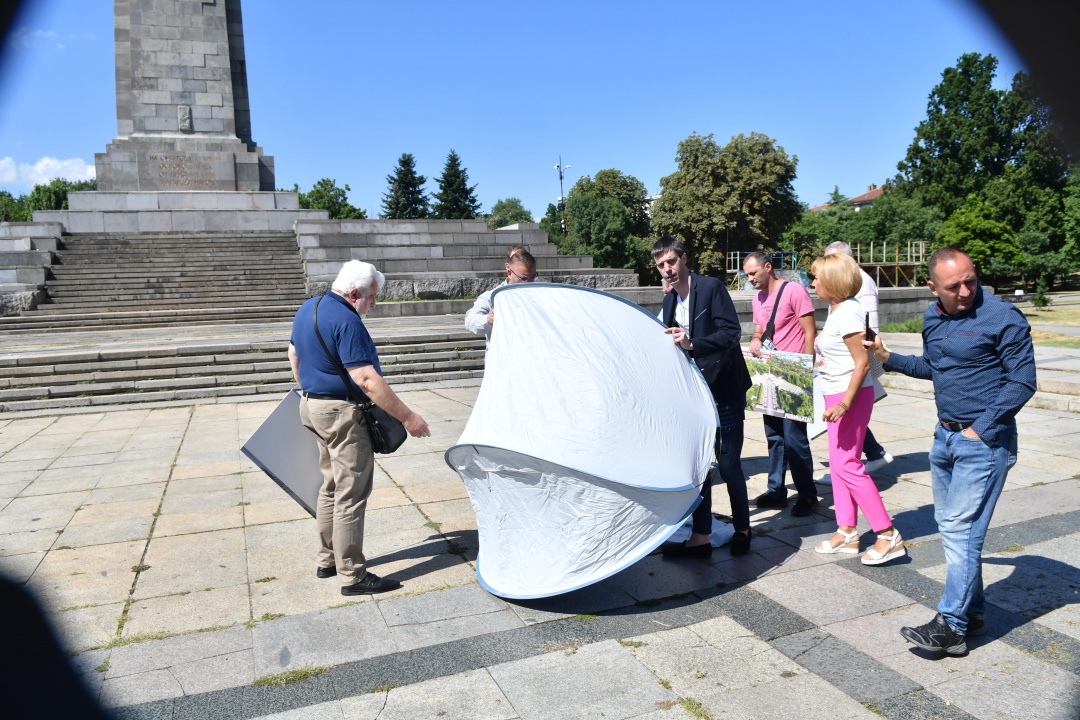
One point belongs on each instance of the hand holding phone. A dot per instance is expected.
(870, 334)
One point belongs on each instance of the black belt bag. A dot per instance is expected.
(387, 432)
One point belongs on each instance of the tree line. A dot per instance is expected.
(986, 171)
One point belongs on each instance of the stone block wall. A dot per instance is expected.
(26, 251)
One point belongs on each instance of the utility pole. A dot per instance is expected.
(562, 200)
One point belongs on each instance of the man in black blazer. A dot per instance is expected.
(701, 319)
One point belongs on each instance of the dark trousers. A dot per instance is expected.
(729, 442)
(789, 449)
(871, 447)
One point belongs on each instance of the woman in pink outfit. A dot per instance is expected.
(843, 370)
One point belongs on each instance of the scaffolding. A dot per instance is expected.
(891, 264)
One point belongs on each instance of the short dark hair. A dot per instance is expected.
(945, 254)
(759, 256)
(666, 243)
(518, 254)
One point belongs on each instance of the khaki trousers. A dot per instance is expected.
(347, 464)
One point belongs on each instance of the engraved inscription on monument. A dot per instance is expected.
(187, 171)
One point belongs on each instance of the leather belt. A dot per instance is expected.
(954, 426)
(317, 396)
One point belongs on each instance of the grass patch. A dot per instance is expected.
(133, 639)
(1056, 315)
(290, 677)
(913, 325)
(141, 567)
(695, 708)
(385, 687)
(63, 547)
(664, 683)
(585, 618)
(1013, 548)
(632, 643)
(434, 526)
(265, 617)
(242, 504)
(266, 579)
(1049, 339)
(104, 666)
(873, 707)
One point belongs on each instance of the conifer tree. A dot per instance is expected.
(405, 199)
(455, 200)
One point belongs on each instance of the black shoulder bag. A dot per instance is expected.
(770, 328)
(387, 432)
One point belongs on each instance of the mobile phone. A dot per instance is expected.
(870, 334)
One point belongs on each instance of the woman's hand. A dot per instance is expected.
(834, 413)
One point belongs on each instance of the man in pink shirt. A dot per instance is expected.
(791, 329)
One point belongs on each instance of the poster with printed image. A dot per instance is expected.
(783, 384)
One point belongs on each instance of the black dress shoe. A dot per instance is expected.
(804, 506)
(770, 500)
(325, 572)
(682, 550)
(740, 543)
(370, 585)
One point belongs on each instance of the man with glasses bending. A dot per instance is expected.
(520, 268)
(977, 350)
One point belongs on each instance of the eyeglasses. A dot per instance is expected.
(528, 278)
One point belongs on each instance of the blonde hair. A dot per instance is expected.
(838, 275)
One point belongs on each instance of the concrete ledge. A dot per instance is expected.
(183, 200)
(36, 229)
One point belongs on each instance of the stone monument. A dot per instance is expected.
(182, 114)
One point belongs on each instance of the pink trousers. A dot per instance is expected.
(853, 490)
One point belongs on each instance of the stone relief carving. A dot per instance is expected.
(183, 118)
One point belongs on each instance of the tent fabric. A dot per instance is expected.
(588, 442)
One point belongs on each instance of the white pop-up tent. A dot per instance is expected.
(588, 442)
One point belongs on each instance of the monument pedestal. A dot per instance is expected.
(160, 163)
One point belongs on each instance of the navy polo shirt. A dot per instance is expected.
(982, 363)
(344, 334)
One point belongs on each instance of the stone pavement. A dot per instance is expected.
(182, 581)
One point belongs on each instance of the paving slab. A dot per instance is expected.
(570, 684)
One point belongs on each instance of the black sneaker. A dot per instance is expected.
(370, 585)
(740, 543)
(936, 636)
(976, 627)
(682, 550)
(770, 500)
(804, 506)
(325, 572)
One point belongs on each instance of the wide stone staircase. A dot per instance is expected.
(183, 369)
(145, 279)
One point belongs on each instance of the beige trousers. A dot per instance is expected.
(347, 463)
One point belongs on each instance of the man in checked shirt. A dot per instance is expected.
(977, 350)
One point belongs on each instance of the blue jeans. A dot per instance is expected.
(729, 442)
(871, 447)
(967, 476)
(789, 449)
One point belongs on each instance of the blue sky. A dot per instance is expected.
(341, 88)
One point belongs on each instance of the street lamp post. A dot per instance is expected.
(562, 200)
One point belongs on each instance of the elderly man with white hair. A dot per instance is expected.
(876, 455)
(346, 457)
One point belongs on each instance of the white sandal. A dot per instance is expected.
(873, 557)
(851, 538)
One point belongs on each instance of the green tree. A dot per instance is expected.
(54, 194)
(601, 227)
(895, 218)
(551, 223)
(326, 195)
(455, 200)
(991, 244)
(13, 209)
(724, 199)
(627, 189)
(405, 198)
(965, 139)
(507, 212)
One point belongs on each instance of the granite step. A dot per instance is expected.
(132, 375)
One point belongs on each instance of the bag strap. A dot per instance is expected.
(771, 327)
(333, 360)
